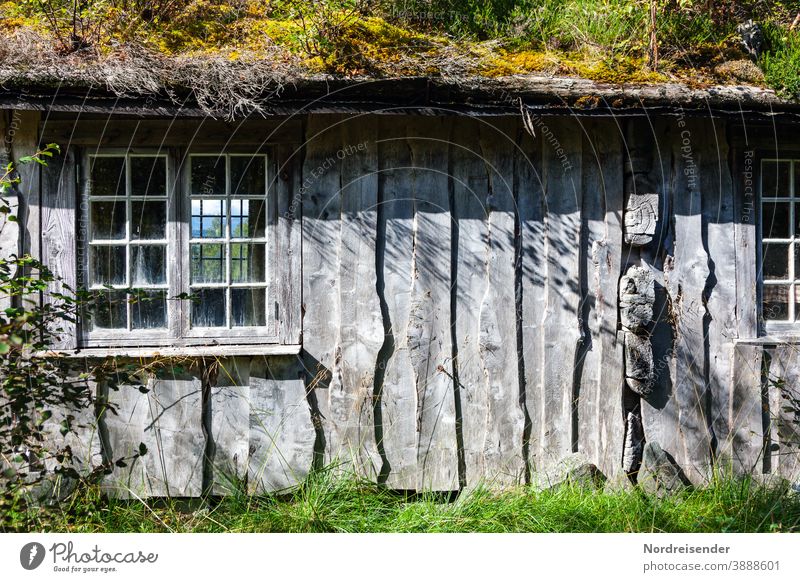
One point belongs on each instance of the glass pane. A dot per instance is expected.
(775, 220)
(109, 310)
(248, 218)
(208, 263)
(208, 218)
(108, 265)
(776, 261)
(149, 310)
(107, 220)
(776, 306)
(775, 179)
(108, 176)
(248, 175)
(208, 308)
(208, 174)
(148, 176)
(248, 307)
(149, 220)
(247, 263)
(148, 265)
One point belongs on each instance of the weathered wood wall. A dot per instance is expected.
(460, 317)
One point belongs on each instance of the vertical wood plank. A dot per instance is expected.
(360, 321)
(686, 282)
(505, 464)
(321, 234)
(563, 190)
(470, 192)
(601, 426)
(230, 425)
(398, 396)
(289, 241)
(531, 203)
(745, 445)
(429, 337)
(282, 435)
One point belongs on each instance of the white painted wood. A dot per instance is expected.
(505, 464)
(396, 251)
(282, 435)
(429, 337)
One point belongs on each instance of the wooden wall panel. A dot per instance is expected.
(229, 409)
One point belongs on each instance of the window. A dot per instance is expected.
(182, 250)
(780, 242)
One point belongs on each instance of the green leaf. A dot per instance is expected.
(142, 449)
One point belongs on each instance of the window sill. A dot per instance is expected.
(772, 339)
(188, 352)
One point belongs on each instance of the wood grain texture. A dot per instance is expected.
(282, 435)
(395, 255)
(469, 174)
(505, 464)
(563, 198)
(743, 453)
(287, 256)
(168, 421)
(360, 322)
(229, 402)
(601, 419)
(686, 282)
(321, 235)
(429, 337)
(531, 205)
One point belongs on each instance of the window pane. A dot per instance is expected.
(776, 261)
(208, 263)
(108, 265)
(107, 176)
(775, 179)
(247, 263)
(247, 307)
(149, 310)
(148, 264)
(775, 219)
(248, 218)
(776, 306)
(208, 218)
(109, 310)
(208, 308)
(107, 220)
(248, 175)
(149, 220)
(208, 174)
(148, 176)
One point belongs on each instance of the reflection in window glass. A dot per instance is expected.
(780, 241)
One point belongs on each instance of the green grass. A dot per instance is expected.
(327, 505)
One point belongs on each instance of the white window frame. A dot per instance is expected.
(179, 332)
(790, 326)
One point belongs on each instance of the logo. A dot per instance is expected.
(31, 555)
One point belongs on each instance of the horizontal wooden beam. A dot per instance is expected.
(221, 351)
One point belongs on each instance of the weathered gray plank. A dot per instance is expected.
(720, 240)
(563, 190)
(686, 281)
(321, 234)
(530, 201)
(229, 401)
(783, 398)
(744, 449)
(58, 236)
(429, 337)
(282, 435)
(288, 254)
(398, 396)
(360, 323)
(601, 423)
(505, 464)
(25, 142)
(168, 421)
(470, 192)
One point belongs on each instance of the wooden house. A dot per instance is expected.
(433, 285)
